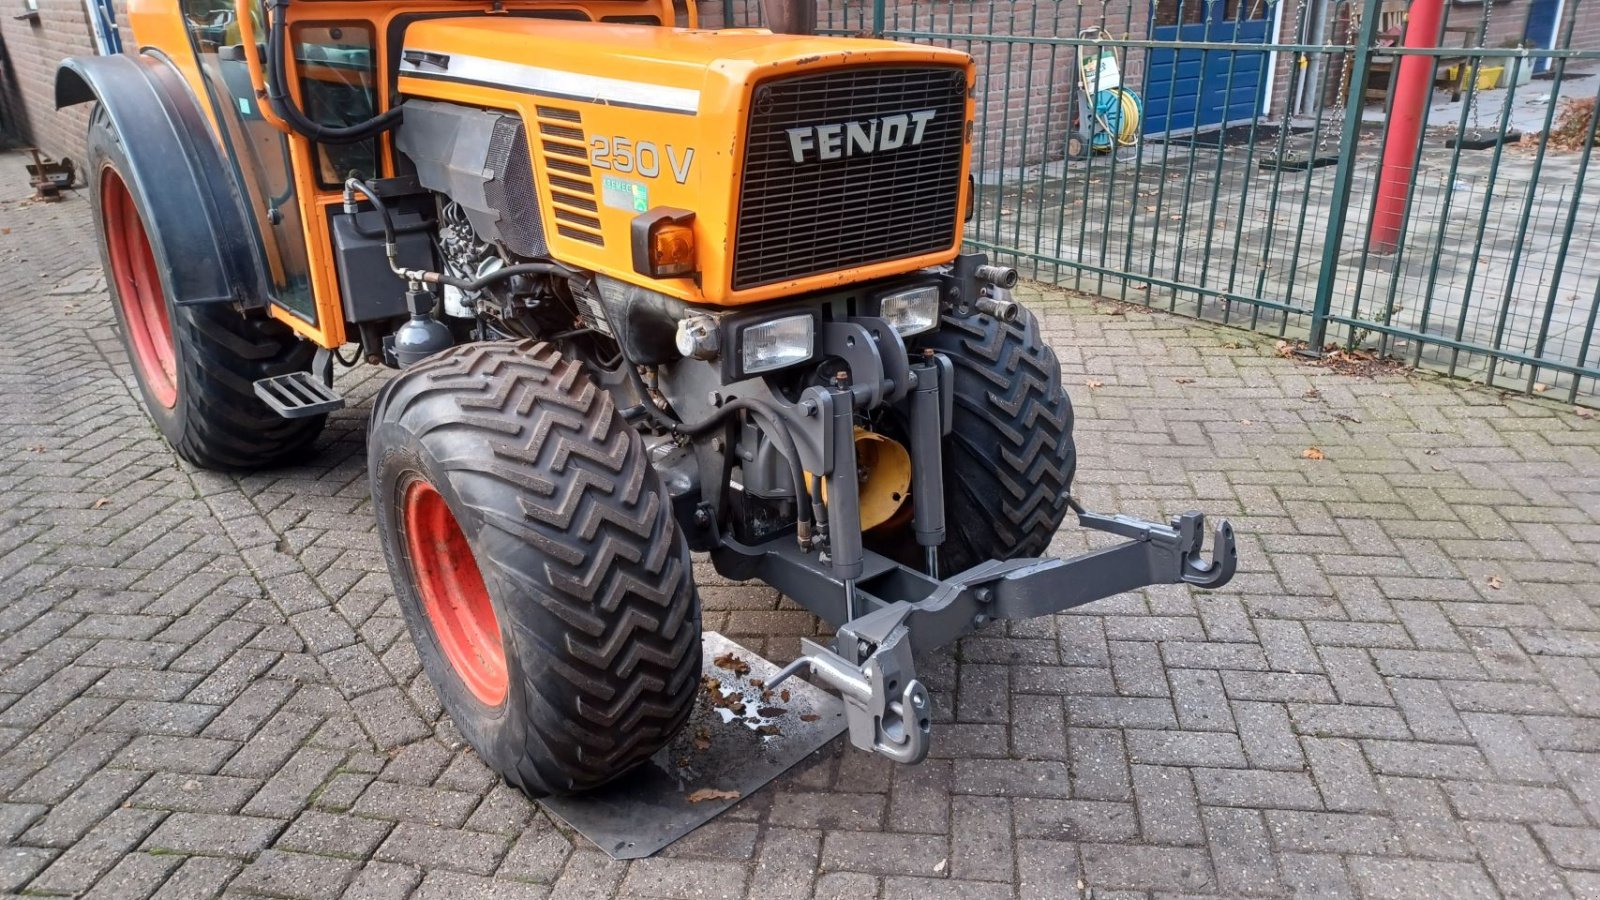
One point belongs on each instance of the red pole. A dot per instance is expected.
(1413, 87)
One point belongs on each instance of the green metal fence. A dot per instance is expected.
(1246, 196)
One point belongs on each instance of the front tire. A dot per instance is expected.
(195, 365)
(537, 563)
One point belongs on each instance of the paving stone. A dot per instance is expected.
(1176, 869)
(1405, 879)
(786, 865)
(1168, 812)
(885, 854)
(1240, 852)
(1255, 788)
(429, 846)
(456, 886)
(135, 875)
(18, 865)
(213, 835)
(383, 881)
(198, 877)
(279, 873)
(685, 879)
(103, 846)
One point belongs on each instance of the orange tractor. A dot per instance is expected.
(649, 290)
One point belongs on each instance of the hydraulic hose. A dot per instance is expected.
(355, 186)
(282, 103)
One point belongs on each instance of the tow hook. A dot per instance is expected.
(888, 710)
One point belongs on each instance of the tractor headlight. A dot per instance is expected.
(911, 311)
(776, 343)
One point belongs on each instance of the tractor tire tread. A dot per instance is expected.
(611, 604)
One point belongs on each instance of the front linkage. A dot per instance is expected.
(884, 611)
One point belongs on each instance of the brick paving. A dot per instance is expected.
(205, 684)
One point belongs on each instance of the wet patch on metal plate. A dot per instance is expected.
(739, 737)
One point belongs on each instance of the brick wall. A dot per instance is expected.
(34, 49)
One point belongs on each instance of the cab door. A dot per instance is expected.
(286, 181)
(257, 152)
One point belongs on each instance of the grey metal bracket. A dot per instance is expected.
(903, 611)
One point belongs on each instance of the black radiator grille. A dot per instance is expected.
(823, 215)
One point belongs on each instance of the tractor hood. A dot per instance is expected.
(859, 146)
(669, 69)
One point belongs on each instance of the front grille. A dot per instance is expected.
(869, 204)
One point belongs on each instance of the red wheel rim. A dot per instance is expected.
(144, 306)
(453, 594)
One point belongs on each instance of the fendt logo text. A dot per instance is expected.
(859, 138)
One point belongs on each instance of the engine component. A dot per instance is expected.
(883, 474)
(697, 337)
(479, 159)
(369, 290)
(423, 335)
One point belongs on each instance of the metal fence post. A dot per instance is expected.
(1339, 207)
(877, 18)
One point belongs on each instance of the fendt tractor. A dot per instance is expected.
(650, 290)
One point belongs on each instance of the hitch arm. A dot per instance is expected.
(1157, 554)
(870, 663)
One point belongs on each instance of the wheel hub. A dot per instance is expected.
(454, 596)
(144, 306)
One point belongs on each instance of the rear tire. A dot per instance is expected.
(194, 364)
(547, 587)
(1009, 458)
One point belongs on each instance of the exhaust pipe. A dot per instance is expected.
(790, 16)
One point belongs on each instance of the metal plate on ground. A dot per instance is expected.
(738, 738)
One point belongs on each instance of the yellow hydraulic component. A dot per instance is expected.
(884, 469)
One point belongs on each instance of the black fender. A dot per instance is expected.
(202, 239)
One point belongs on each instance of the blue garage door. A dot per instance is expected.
(1543, 16)
(1185, 90)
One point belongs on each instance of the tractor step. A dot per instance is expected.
(297, 395)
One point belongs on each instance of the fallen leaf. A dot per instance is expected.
(1540, 388)
(732, 663)
(1583, 413)
(1095, 384)
(1184, 380)
(704, 794)
(1495, 583)
(809, 717)
(943, 864)
(784, 695)
(1312, 453)
(769, 730)
(99, 504)
(1430, 452)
